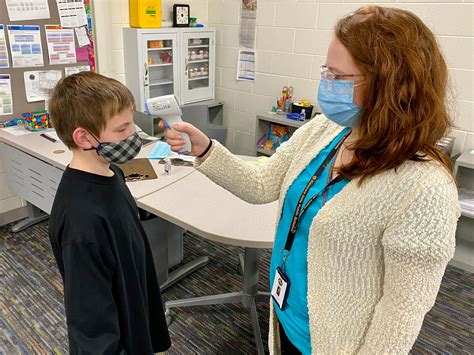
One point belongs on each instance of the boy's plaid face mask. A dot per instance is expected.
(119, 152)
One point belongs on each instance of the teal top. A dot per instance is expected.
(294, 315)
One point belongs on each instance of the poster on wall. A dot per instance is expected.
(72, 13)
(38, 84)
(4, 62)
(6, 102)
(25, 46)
(246, 67)
(21, 10)
(248, 21)
(61, 47)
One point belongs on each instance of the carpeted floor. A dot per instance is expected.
(32, 315)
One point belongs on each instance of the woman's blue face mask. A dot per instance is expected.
(335, 97)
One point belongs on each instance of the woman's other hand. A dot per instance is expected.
(199, 141)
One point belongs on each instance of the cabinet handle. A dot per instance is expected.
(186, 67)
(145, 79)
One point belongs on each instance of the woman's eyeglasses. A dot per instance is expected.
(329, 75)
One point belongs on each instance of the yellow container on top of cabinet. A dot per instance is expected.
(145, 13)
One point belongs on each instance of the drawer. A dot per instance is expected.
(31, 178)
(14, 163)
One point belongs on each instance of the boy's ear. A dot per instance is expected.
(83, 138)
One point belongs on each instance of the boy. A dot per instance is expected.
(111, 293)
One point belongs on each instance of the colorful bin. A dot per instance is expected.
(36, 121)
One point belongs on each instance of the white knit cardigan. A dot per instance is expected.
(376, 252)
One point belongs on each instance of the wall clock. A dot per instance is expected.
(181, 15)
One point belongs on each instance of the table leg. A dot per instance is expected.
(35, 215)
(232, 297)
(256, 328)
(248, 296)
(184, 271)
(251, 273)
(241, 263)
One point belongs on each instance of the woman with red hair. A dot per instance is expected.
(367, 203)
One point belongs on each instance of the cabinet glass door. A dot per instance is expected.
(160, 65)
(199, 70)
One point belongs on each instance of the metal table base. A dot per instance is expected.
(35, 215)
(249, 295)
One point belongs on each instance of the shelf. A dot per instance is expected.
(266, 151)
(159, 65)
(199, 46)
(160, 49)
(199, 78)
(280, 119)
(198, 61)
(161, 82)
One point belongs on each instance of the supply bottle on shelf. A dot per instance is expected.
(302, 115)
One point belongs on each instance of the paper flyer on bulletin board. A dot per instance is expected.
(38, 84)
(4, 62)
(21, 10)
(72, 13)
(61, 46)
(77, 69)
(25, 46)
(82, 37)
(6, 99)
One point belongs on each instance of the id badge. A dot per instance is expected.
(281, 285)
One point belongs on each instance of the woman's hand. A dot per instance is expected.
(199, 141)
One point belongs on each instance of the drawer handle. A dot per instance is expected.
(39, 188)
(33, 178)
(38, 194)
(34, 171)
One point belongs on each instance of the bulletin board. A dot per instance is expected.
(84, 56)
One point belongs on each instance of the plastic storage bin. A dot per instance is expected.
(36, 121)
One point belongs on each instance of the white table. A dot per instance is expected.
(35, 165)
(199, 205)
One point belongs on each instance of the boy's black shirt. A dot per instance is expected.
(111, 293)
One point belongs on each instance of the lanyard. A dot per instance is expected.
(299, 207)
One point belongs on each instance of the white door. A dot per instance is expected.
(160, 65)
(198, 52)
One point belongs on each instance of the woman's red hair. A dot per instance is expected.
(404, 107)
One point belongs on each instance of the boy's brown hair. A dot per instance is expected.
(87, 100)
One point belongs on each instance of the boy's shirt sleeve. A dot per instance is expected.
(91, 311)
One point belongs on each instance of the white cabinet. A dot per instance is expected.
(197, 83)
(163, 61)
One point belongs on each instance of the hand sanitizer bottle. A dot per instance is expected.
(302, 115)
